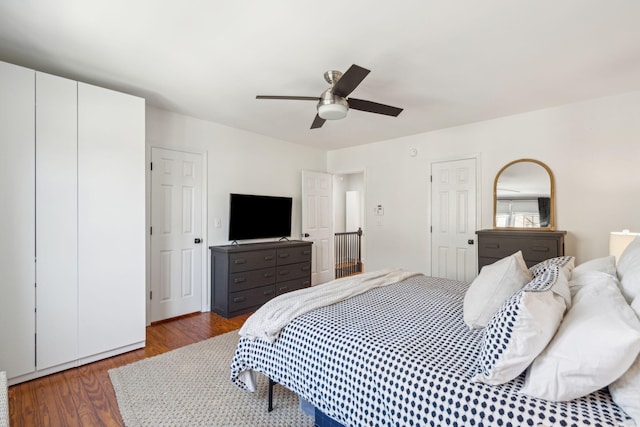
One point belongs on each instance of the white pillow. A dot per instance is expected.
(522, 327)
(495, 283)
(605, 264)
(629, 270)
(625, 391)
(596, 343)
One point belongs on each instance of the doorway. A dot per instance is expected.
(333, 205)
(349, 195)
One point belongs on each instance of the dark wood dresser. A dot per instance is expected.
(243, 277)
(536, 245)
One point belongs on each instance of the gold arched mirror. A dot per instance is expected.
(523, 196)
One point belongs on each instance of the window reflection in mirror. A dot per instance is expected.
(523, 196)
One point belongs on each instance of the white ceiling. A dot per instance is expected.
(446, 62)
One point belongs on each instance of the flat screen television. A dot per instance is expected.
(259, 217)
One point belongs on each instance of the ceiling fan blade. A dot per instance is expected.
(373, 107)
(317, 122)
(350, 80)
(293, 98)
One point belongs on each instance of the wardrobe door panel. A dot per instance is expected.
(56, 220)
(17, 219)
(111, 220)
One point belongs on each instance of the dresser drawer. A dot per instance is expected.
(499, 247)
(536, 246)
(532, 249)
(293, 271)
(251, 279)
(539, 250)
(255, 260)
(294, 255)
(251, 297)
(292, 285)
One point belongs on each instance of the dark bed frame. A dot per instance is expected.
(320, 419)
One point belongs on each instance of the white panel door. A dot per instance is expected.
(176, 221)
(317, 223)
(56, 220)
(111, 220)
(453, 215)
(17, 220)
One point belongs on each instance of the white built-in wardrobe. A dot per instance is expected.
(72, 223)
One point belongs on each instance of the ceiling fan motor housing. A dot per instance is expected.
(332, 76)
(332, 107)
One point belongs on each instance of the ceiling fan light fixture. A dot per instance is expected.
(332, 107)
(332, 111)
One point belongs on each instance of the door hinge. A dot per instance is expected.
(150, 230)
(430, 178)
(150, 294)
(431, 229)
(151, 165)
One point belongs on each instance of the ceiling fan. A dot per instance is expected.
(333, 104)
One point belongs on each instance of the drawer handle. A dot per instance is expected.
(540, 248)
(240, 261)
(307, 252)
(284, 255)
(239, 299)
(283, 288)
(306, 283)
(269, 292)
(305, 268)
(266, 275)
(268, 257)
(284, 272)
(492, 245)
(239, 280)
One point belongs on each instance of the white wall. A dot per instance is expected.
(238, 161)
(593, 149)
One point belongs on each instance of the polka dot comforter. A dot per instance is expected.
(401, 355)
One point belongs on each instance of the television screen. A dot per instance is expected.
(259, 217)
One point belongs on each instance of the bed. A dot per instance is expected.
(403, 354)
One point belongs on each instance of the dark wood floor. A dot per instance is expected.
(84, 396)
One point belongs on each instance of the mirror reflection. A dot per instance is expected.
(523, 196)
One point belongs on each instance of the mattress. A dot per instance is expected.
(401, 355)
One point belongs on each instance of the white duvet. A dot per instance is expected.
(272, 317)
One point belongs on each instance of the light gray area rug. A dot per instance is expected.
(190, 386)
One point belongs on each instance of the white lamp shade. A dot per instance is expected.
(618, 242)
(332, 111)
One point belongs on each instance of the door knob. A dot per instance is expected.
(197, 240)
(305, 235)
(470, 241)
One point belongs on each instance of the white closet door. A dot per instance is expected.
(17, 219)
(111, 220)
(56, 220)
